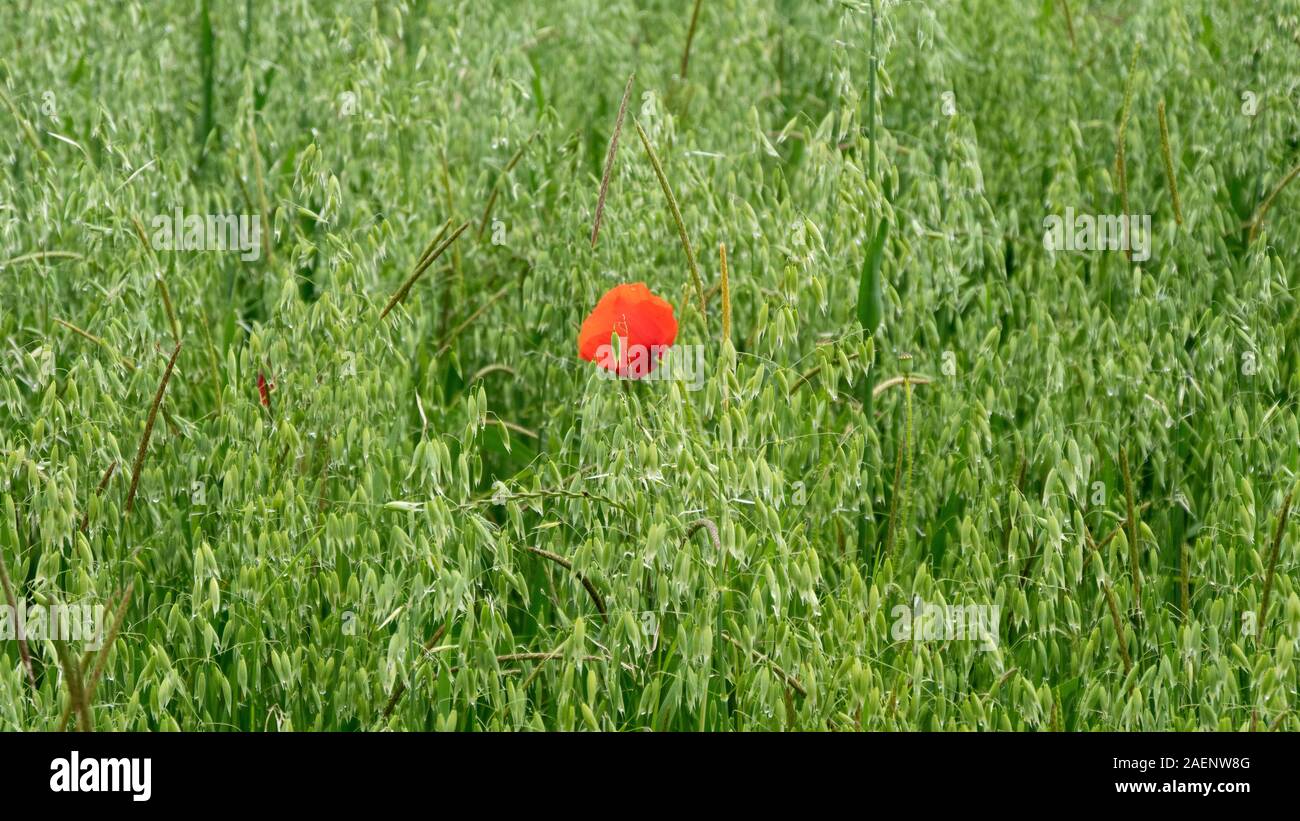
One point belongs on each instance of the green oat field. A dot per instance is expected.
(292, 410)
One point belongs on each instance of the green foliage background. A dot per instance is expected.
(370, 532)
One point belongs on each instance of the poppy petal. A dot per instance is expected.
(640, 320)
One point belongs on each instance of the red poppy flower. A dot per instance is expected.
(643, 324)
(263, 390)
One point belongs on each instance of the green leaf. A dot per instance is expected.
(870, 304)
